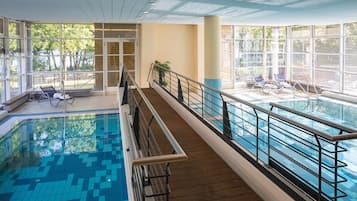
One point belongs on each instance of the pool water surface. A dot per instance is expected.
(58, 159)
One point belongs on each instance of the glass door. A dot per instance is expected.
(129, 56)
(116, 53)
(112, 63)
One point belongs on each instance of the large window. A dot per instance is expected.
(327, 57)
(74, 53)
(227, 56)
(252, 51)
(63, 52)
(350, 58)
(275, 51)
(301, 70)
(2, 60)
(15, 59)
(2, 69)
(323, 55)
(69, 55)
(249, 48)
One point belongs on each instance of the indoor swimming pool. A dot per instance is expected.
(342, 113)
(332, 110)
(295, 150)
(77, 157)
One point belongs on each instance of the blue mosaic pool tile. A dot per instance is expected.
(60, 160)
(67, 173)
(5, 196)
(105, 185)
(101, 198)
(83, 196)
(96, 193)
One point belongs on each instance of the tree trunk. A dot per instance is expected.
(64, 67)
(54, 60)
(49, 60)
(71, 60)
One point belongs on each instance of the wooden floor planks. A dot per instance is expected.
(204, 176)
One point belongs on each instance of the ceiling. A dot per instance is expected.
(270, 12)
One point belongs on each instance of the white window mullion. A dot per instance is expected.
(342, 58)
(264, 50)
(312, 55)
(289, 50)
(6, 64)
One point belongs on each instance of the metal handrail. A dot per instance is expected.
(168, 158)
(150, 165)
(175, 145)
(327, 136)
(352, 132)
(259, 138)
(307, 90)
(299, 84)
(150, 71)
(261, 109)
(179, 152)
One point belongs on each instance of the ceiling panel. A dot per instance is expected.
(183, 11)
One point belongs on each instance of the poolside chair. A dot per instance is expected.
(281, 82)
(259, 82)
(265, 86)
(51, 94)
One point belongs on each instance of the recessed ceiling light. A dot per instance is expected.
(146, 12)
(166, 4)
(198, 8)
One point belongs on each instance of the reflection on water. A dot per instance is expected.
(329, 110)
(71, 158)
(48, 136)
(344, 114)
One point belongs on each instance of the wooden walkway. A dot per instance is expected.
(204, 176)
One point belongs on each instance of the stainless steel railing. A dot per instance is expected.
(155, 146)
(309, 157)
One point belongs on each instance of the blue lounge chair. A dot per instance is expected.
(259, 82)
(281, 82)
(265, 86)
(51, 94)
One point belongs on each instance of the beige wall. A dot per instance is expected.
(176, 43)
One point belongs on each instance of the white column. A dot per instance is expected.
(212, 48)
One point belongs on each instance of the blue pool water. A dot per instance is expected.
(60, 159)
(243, 121)
(335, 111)
(341, 113)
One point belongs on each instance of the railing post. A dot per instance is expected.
(202, 103)
(125, 95)
(150, 75)
(179, 91)
(167, 181)
(148, 135)
(257, 135)
(170, 82)
(122, 79)
(336, 171)
(188, 93)
(227, 131)
(136, 126)
(142, 183)
(161, 72)
(319, 169)
(336, 168)
(271, 109)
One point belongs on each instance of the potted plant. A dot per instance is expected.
(165, 66)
